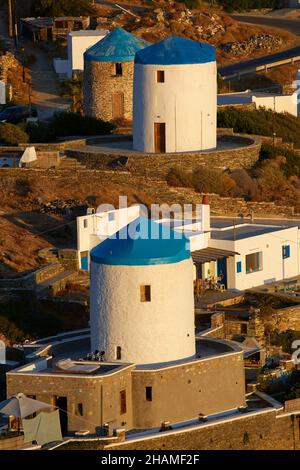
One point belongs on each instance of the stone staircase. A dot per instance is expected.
(68, 163)
(54, 284)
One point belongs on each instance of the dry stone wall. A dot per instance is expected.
(100, 83)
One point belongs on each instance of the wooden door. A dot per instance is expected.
(160, 137)
(118, 105)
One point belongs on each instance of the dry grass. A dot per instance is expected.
(24, 231)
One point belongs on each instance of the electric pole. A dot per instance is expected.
(10, 22)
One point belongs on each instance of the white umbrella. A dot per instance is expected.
(21, 406)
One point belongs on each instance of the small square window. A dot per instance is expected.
(85, 223)
(79, 409)
(239, 267)
(145, 293)
(118, 353)
(111, 216)
(160, 76)
(118, 69)
(149, 393)
(123, 402)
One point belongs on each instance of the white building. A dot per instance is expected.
(174, 97)
(278, 102)
(2, 92)
(294, 3)
(77, 42)
(244, 254)
(132, 318)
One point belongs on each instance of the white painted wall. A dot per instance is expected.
(94, 228)
(186, 102)
(279, 103)
(274, 266)
(148, 332)
(78, 43)
(2, 93)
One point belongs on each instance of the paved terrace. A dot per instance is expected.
(124, 147)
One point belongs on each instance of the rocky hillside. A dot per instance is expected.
(233, 39)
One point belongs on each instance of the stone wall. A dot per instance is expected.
(158, 165)
(99, 396)
(12, 443)
(156, 190)
(100, 83)
(266, 430)
(182, 392)
(281, 320)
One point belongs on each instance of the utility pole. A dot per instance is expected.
(10, 22)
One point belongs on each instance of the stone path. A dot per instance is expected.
(45, 84)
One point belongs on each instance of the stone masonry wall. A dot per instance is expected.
(100, 83)
(262, 431)
(158, 165)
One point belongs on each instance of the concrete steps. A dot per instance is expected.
(68, 163)
(55, 283)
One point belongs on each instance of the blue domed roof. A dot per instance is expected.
(142, 242)
(176, 50)
(117, 46)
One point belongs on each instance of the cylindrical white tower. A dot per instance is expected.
(142, 304)
(175, 97)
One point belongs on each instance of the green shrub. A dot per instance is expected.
(180, 178)
(292, 160)
(12, 135)
(71, 124)
(40, 133)
(65, 124)
(261, 122)
(203, 180)
(285, 339)
(213, 181)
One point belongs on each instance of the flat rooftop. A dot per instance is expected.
(222, 222)
(89, 32)
(241, 232)
(66, 359)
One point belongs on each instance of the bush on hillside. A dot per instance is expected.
(246, 186)
(65, 124)
(71, 124)
(291, 165)
(203, 180)
(261, 122)
(40, 133)
(213, 181)
(12, 135)
(180, 178)
(63, 8)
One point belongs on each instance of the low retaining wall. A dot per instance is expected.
(11, 443)
(30, 280)
(158, 165)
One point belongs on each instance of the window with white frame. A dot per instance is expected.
(254, 262)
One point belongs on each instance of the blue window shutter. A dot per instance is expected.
(286, 252)
(239, 267)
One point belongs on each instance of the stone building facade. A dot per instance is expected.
(108, 76)
(108, 96)
(133, 397)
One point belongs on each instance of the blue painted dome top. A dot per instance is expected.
(175, 51)
(142, 242)
(117, 46)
